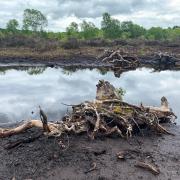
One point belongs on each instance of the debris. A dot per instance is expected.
(163, 61)
(128, 154)
(43, 118)
(94, 167)
(108, 114)
(118, 60)
(149, 167)
(121, 155)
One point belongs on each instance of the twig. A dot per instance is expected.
(69, 104)
(149, 167)
(94, 167)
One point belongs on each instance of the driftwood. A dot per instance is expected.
(107, 114)
(118, 60)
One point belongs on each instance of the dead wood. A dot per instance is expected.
(164, 60)
(118, 60)
(106, 115)
(128, 154)
(149, 167)
(44, 120)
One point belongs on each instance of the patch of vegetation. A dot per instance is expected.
(121, 92)
(35, 22)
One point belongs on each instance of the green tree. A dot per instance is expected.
(12, 25)
(89, 30)
(111, 27)
(72, 30)
(133, 30)
(156, 33)
(173, 33)
(34, 20)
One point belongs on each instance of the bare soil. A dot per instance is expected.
(44, 158)
(85, 56)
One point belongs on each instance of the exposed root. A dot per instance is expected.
(105, 116)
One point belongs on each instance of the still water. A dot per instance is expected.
(23, 90)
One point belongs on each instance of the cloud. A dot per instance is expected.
(61, 12)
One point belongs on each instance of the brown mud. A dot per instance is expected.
(45, 159)
(85, 56)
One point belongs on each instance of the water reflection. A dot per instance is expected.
(29, 70)
(21, 93)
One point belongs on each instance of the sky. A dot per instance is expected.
(60, 13)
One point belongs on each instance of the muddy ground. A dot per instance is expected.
(45, 159)
(85, 56)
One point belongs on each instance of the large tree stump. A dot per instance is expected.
(107, 114)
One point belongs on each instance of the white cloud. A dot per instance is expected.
(60, 13)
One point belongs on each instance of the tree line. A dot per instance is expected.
(35, 22)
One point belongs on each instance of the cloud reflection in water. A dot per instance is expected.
(21, 93)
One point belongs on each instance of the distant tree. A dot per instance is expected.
(12, 25)
(133, 30)
(126, 26)
(137, 31)
(176, 27)
(111, 27)
(89, 30)
(173, 33)
(72, 30)
(157, 33)
(34, 20)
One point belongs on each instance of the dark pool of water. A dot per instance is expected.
(22, 91)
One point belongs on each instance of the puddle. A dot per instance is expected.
(23, 90)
